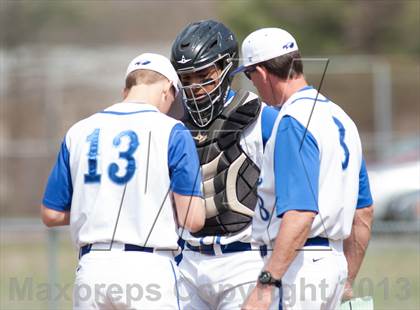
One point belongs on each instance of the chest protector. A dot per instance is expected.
(229, 176)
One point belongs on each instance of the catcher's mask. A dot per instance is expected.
(205, 46)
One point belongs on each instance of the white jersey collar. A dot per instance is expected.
(308, 92)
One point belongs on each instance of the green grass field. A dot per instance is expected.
(390, 272)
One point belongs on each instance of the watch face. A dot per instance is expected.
(265, 277)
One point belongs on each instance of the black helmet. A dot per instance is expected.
(201, 45)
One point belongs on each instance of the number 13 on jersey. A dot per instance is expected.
(92, 157)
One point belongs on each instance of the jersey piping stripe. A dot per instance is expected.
(280, 298)
(310, 98)
(176, 285)
(305, 88)
(126, 113)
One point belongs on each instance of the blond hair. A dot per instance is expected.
(143, 76)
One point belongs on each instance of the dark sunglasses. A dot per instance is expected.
(249, 70)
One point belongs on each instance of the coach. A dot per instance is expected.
(313, 180)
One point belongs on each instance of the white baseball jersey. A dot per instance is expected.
(223, 281)
(115, 171)
(312, 161)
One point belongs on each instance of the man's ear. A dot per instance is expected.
(169, 90)
(262, 72)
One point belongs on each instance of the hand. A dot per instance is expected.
(260, 298)
(348, 292)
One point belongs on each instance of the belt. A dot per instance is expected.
(316, 241)
(126, 247)
(208, 249)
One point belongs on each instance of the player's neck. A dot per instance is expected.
(293, 86)
(143, 94)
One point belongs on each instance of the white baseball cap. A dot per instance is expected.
(157, 63)
(265, 44)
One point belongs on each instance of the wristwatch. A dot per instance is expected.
(266, 278)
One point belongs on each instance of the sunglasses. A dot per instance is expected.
(249, 70)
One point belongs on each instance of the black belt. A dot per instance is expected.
(127, 247)
(316, 241)
(208, 249)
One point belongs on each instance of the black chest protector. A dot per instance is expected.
(229, 176)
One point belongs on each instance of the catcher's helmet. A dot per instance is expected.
(201, 45)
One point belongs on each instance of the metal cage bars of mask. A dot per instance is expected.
(192, 104)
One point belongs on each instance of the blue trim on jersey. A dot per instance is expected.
(126, 113)
(184, 167)
(176, 285)
(268, 118)
(365, 197)
(280, 298)
(310, 98)
(218, 239)
(296, 171)
(230, 95)
(306, 88)
(59, 190)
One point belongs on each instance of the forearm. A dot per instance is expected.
(52, 218)
(355, 246)
(292, 235)
(190, 212)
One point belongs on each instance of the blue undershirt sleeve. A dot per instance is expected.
(296, 168)
(59, 190)
(184, 167)
(268, 118)
(365, 197)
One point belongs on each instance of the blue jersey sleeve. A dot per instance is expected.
(59, 190)
(365, 197)
(184, 167)
(296, 168)
(268, 118)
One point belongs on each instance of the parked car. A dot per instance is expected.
(396, 190)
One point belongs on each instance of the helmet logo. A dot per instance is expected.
(183, 60)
